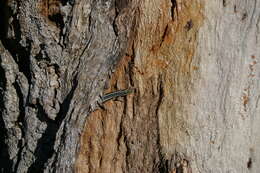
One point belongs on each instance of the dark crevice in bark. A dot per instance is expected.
(128, 152)
(64, 107)
(174, 164)
(125, 106)
(20, 121)
(224, 3)
(44, 149)
(62, 141)
(2, 82)
(61, 20)
(64, 2)
(119, 6)
(5, 14)
(188, 25)
(131, 65)
(58, 19)
(115, 28)
(21, 102)
(6, 163)
(120, 134)
(162, 165)
(161, 95)
(90, 23)
(235, 8)
(45, 145)
(57, 72)
(249, 163)
(62, 114)
(41, 56)
(174, 8)
(88, 42)
(2, 87)
(19, 155)
(20, 54)
(164, 34)
(179, 169)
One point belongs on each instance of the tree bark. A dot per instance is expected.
(194, 66)
(55, 58)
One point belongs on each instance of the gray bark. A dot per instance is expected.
(224, 112)
(55, 59)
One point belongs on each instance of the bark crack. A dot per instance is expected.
(20, 53)
(161, 94)
(45, 145)
(165, 33)
(20, 122)
(6, 162)
(174, 9)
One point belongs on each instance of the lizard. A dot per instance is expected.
(115, 94)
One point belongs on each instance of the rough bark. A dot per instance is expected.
(193, 64)
(195, 67)
(55, 58)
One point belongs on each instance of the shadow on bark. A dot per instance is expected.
(45, 145)
(6, 163)
(20, 54)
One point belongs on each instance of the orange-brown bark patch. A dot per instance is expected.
(135, 132)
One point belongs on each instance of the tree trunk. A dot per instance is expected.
(193, 64)
(195, 67)
(55, 58)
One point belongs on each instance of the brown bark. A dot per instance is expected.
(131, 134)
(195, 68)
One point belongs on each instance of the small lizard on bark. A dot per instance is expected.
(112, 95)
(116, 94)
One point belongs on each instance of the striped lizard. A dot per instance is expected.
(116, 94)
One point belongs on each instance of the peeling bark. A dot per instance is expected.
(195, 109)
